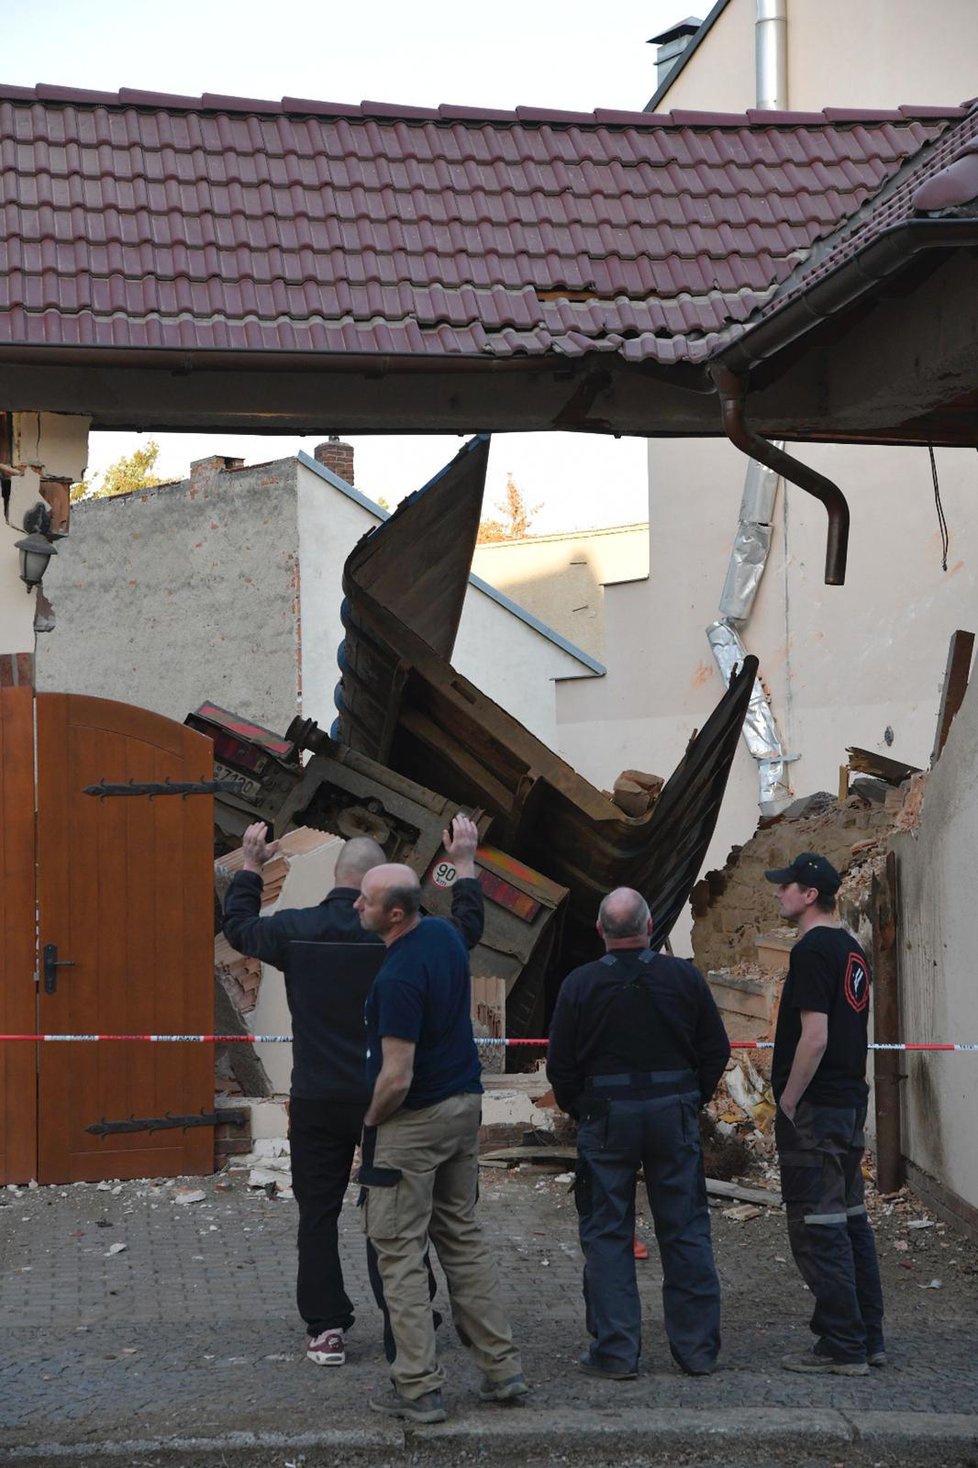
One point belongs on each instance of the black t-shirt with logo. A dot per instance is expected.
(828, 973)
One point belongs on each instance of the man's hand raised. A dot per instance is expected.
(257, 851)
(460, 842)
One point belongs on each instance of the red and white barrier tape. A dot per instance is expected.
(287, 1040)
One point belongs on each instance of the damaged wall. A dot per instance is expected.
(938, 878)
(732, 906)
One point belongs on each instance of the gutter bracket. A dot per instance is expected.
(732, 391)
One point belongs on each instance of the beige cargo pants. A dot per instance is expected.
(436, 1151)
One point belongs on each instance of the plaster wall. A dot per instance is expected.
(330, 524)
(843, 664)
(878, 53)
(16, 603)
(722, 69)
(509, 660)
(561, 578)
(228, 587)
(181, 593)
(938, 872)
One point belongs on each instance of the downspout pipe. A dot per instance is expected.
(771, 55)
(732, 391)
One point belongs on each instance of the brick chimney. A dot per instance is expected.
(336, 456)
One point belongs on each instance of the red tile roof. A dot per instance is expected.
(142, 221)
(944, 176)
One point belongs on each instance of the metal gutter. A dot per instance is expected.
(887, 254)
(732, 390)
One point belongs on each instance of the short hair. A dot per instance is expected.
(826, 902)
(404, 895)
(624, 913)
(358, 856)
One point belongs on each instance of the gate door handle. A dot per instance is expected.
(51, 965)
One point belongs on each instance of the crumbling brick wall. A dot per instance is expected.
(731, 907)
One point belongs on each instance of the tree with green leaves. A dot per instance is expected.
(131, 472)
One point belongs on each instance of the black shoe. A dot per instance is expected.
(609, 1373)
(429, 1407)
(510, 1389)
(877, 1358)
(817, 1365)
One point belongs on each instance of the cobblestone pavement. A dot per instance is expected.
(130, 1316)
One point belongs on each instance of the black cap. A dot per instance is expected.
(809, 870)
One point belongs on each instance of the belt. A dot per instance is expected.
(637, 1084)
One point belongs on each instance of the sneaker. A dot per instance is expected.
(877, 1358)
(510, 1389)
(429, 1407)
(824, 1365)
(327, 1348)
(615, 1373)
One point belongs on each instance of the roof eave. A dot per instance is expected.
(889, 253)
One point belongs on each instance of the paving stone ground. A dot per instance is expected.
(188, 1333)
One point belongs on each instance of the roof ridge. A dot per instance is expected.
(128, 97)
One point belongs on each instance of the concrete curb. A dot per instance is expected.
(510, 1436)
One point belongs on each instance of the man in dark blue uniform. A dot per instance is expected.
(330, 1091)
(818, 1075)
(636, 1047)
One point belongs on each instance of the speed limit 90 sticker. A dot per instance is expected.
(443, 873)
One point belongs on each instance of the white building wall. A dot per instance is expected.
(505, 657)
(876, 53)
(842, 664)
(938, 876)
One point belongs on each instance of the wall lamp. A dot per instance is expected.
(35, 552)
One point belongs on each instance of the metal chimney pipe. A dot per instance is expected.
(771, 55)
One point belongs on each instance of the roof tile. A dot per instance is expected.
(145, 220)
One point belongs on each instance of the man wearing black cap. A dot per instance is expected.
(819, 1079)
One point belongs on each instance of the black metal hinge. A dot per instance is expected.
(168, 787)
(163, 1123)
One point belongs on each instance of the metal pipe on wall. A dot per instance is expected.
(732, 391)
(771, 55)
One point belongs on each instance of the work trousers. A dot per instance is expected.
(427, 1163)
(661, 1136)
(323, 1136)
(830, 1235)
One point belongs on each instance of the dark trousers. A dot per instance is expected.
(831, 1239)
(322, 1139)
(661, 1136)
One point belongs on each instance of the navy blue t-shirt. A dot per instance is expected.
(423, 993)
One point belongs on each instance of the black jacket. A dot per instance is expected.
(624, 1014)
(328, 1034)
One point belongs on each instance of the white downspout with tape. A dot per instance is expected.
(749, 553)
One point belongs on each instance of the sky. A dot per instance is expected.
(570, 54)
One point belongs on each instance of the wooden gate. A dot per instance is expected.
(124, 893)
